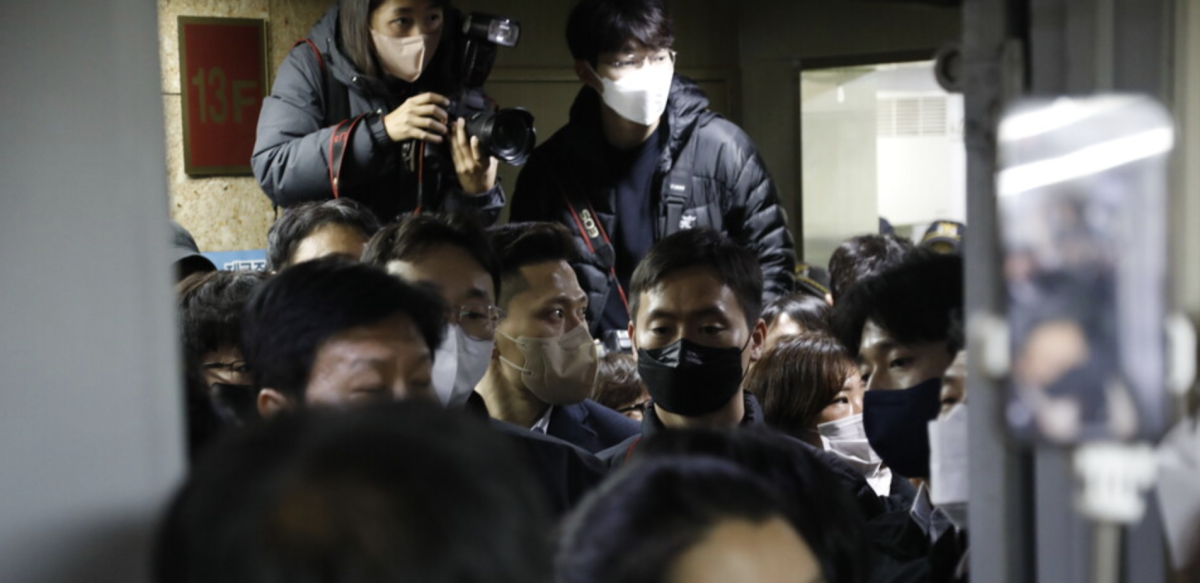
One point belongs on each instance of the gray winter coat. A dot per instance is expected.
(291, 157)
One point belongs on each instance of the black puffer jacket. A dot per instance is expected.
(291, 157)
(731, 190)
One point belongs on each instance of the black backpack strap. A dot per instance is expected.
(677, 187)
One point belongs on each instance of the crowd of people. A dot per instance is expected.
(629, 381)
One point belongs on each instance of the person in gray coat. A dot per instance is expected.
(359, 109)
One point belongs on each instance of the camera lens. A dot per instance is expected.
(507, 134)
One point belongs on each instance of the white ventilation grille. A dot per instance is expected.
(911, 116)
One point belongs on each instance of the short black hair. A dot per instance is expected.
(734, 266)
(289, 317)
(604, 26)
(913, 301)
(521, 244)
(816, 499)
(637, 523)
(302, 220)
(210, 310)
(414, 235)
(863, 256)
(807, 310)
(398, 492)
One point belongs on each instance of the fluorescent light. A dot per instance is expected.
(1084, 162)
(1060, 114)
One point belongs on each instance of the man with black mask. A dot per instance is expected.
(696, 300)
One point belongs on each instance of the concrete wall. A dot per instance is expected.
(227, 212)
(779, 36)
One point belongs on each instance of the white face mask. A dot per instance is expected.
(558, 371)
(459, 364)
(405, 57)
(847, 439)
(640, 95)
(948, 464)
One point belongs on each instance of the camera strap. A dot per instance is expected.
(596, 239)
(336, 99)
(677, 187)
(337, 149)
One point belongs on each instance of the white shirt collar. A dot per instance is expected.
(929, 517)
(543, 424)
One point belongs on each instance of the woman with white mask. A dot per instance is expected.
(356, 104)
(810, 389)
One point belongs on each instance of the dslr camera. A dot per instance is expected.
(505, 134)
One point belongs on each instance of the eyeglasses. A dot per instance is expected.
(477, 321)
(639, 407)
(634, 62)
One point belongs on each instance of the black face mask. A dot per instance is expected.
(897, 425)
(689, 379)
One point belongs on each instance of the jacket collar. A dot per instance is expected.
(569, 423)
(751, 417)
(686, 107)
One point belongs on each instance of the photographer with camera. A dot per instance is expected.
(383, 103)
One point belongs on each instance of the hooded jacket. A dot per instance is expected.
(292, 154)
(730, 189)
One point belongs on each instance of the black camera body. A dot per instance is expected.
(506, 134)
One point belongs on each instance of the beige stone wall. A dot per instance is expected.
(224, 213)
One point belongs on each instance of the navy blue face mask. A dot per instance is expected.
(897, 425)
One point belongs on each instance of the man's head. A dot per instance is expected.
(700, 289)
(608, 27)
(449, 254)
(861, 257)
(210, 310)
(795, 314)
(404, 492)
(897, 322)
(622, 49)
(315, 229)
(334, 332)
(545, 312)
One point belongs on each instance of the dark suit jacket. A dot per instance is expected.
(565, 472)
(591, 426)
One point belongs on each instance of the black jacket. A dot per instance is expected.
(565, 472)
(730, 188)
(591, 426)
(291, 157)
(617, 455)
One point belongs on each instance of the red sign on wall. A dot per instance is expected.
(223, 76)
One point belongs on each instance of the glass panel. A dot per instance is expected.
(878, 141)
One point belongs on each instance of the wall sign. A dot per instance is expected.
(223, 78)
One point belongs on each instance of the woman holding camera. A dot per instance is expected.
(359, 109)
